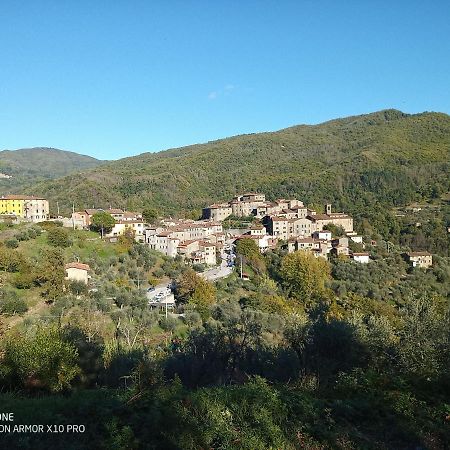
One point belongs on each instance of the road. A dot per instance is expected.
(221, 271)
(217, 272)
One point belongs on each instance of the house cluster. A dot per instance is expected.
(124, 221)
(419, 259)
(300, 227)
(197, 241)
(24, 207)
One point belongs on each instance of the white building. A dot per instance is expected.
(76, 271)
(363, 258)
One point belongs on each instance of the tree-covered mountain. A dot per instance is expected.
(384, 158)
(20, 168)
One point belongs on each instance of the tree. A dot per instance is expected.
(58, 237)
(249, 251)
(43, 361)
(11, 260)
(304, 275)
(247, 248)
(194, 290)
(336, 230)
(50, 273)
(102, 221)
(150, 215)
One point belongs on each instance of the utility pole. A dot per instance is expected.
(242, 274)
(57, 208)
(73, 218)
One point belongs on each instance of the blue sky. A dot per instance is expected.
(120, 77)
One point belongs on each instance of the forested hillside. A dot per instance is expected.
(30, 165)
(358, 163)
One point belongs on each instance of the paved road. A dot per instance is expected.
(221, 271)
(217, 272)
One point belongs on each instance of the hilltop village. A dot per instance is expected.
(288, 223)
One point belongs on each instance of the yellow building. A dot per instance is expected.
(12, 204)
(35, 209)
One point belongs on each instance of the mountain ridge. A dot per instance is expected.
(27, 166)
(387, 156)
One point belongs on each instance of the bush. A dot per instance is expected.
(58, 237)
(168, 323)
(23, 236)
(43, 361)
(199, 267)
(11, 304)
(12, 243)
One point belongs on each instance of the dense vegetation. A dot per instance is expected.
(361, 164)
(306, 355)
(30, 165)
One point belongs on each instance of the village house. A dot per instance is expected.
(198, 252)
(194, 240)
(85, 217)
(338, 219)
(135, 226)
(419, 259)
(319, 247)
(77, 271)
(254, 204)
(363, 258)
(34, 209)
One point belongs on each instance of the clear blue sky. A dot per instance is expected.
(120, 77)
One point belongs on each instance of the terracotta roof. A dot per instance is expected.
(278, 219)
(77, 265)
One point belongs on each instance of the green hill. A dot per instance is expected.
(383, 158)
(26, 166)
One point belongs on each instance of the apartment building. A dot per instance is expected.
(34, 209)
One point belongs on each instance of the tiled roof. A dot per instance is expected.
(419, 254)
(77, 265)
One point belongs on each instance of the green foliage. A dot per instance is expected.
(361, 164)
(58, 237)
(43, 361)
(28, 166)
(11, 304)
(102, 221)
(12, 243)
(305, 276)
(150, 215)
(50, 273)
(10, 260)
(196, 291)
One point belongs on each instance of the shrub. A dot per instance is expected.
(168, 323)
(58, 237)
(12, 243)
(11, 304)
